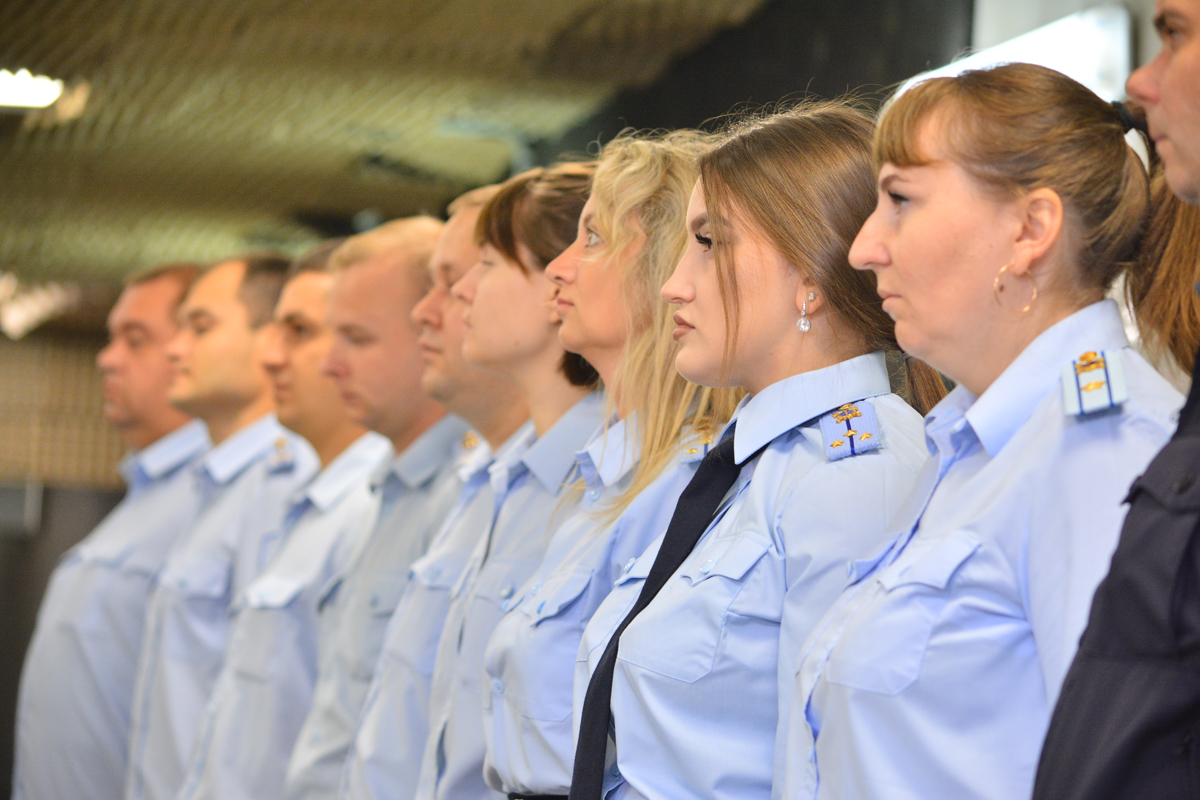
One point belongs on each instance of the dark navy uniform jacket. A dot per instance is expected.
(1127, 724)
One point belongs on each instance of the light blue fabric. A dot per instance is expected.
(385, 756)
(697, 690)
(248, 481)
(415, 491)
(530, 660)
(82, 660)
(266, 682)
(528, 487)
(935, 672)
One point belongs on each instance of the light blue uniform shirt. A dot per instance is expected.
(81, 663)
(385, 757)
(266, 683)
(530, 660)
(697, 690)
(528, 485)
(935, 672)
(416, 490)
(248, 481)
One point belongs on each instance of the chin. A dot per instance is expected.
(697, 370)
(1185, 184)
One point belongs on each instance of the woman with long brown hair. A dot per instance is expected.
(1008, 203)
(801, 482)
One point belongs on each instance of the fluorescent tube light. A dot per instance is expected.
(25, 90)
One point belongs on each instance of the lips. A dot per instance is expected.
(682, 326)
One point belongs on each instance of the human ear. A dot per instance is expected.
(804, 291)
(1040, 217)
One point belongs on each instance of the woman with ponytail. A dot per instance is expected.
(682, 661)
(1008, 203)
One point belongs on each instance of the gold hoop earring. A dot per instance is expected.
(997, 289)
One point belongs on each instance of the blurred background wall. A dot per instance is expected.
(192, 131)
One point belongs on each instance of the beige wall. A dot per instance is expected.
(51, 426)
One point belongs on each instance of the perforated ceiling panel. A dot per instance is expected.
(215, 126)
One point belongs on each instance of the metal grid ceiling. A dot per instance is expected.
(213, 126)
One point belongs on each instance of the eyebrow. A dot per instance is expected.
(587, 220)
(296, 318)
(699, 221)
(1167, 18)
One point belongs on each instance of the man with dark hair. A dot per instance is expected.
(75, 695)
(267, 679)
(1127, 723)
(246, 482)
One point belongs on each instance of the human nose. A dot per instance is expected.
(106, 359)
(426, 313)
(678, 289)
(464, 288)
(562, 269)
(1142, 86)
(868, 250)
(273, 355)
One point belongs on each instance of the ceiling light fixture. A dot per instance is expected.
(23, 89)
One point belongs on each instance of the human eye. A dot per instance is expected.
(897, 200)
(593, 238)
(704, 241)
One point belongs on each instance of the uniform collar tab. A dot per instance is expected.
(235, 454)
(166, 455)
(352, 466)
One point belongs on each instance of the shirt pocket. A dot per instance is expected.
(381, 596)
(431, 577)
(546, 666)
(265, 626)
(680, 631)
(199, 607)
(883, 645)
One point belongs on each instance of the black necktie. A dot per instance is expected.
(693, 512)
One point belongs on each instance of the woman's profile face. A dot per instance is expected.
(936, 242)
(505, 323)
(767, 286)
(590, 301)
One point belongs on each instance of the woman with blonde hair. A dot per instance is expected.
(678, 689)
(1008, 203)
(630, 235)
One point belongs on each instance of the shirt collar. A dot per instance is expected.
(611, 454)
(429, 452)
(551, 457)
(230, 457)
(997, 414)
(165, 455)
(352, 466)
(793, 401)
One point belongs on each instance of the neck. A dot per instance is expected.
(426, 415)
(1005, 342)
(547, 392)
(330, 444)
(607, 365)
(821, 347)
(495, 409)
(141, 436)
(225, 423)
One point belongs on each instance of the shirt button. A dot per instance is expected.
(594, 494)
(507, 592)
(498, 686)
(708, 565)
(629, 565)
(537, 587)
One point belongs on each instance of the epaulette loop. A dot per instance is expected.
(850, 430)
(1094, 382)
(281, 457)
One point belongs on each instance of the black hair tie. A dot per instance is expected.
(1128, 123)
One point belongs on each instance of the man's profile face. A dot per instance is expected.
(136, 371)
(305, 400)
(216, 353)
(1169, 89)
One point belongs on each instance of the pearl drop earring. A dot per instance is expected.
(804, 325)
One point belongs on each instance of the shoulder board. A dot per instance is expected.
(281, 457)
(850, 430)
(1094, 382)
(702, 436)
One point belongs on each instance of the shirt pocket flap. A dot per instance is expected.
(1173, 478)
(639, 568)
(557, 595)
(440, 570)
(204, 575)
(273, 591)
(936, 566)
(733, 562)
